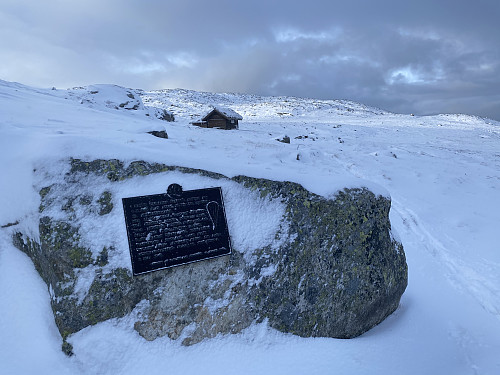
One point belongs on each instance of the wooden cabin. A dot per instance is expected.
(221, 118)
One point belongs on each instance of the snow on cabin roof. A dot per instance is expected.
(226, 112)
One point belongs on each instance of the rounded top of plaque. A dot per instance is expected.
(174, 189)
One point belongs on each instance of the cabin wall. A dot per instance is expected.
(232, 124)
(218, 121)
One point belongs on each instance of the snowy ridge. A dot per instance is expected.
(442, 172)
(191, 104)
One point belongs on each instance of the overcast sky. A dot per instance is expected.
(422, 56)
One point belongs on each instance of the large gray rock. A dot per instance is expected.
(332, 268)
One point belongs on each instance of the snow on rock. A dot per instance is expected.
(105, 97)
(291, 248)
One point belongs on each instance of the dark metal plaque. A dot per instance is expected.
(179, 227)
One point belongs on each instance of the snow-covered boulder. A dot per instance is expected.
(309, 265)
(106, 97)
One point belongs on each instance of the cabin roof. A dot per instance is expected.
(228, 113)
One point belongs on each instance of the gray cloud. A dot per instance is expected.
(415, 56)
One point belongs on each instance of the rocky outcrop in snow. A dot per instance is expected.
(105, 97)
(308, 265)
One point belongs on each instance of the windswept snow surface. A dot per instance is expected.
(442, 172)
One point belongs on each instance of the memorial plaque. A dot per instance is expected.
(179, 227)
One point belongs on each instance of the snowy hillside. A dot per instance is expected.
(442, 172)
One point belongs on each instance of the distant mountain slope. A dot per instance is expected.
(192, 104)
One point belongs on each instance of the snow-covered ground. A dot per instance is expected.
(442, 172)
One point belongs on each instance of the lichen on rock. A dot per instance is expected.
(332, 268)
(105, 203)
